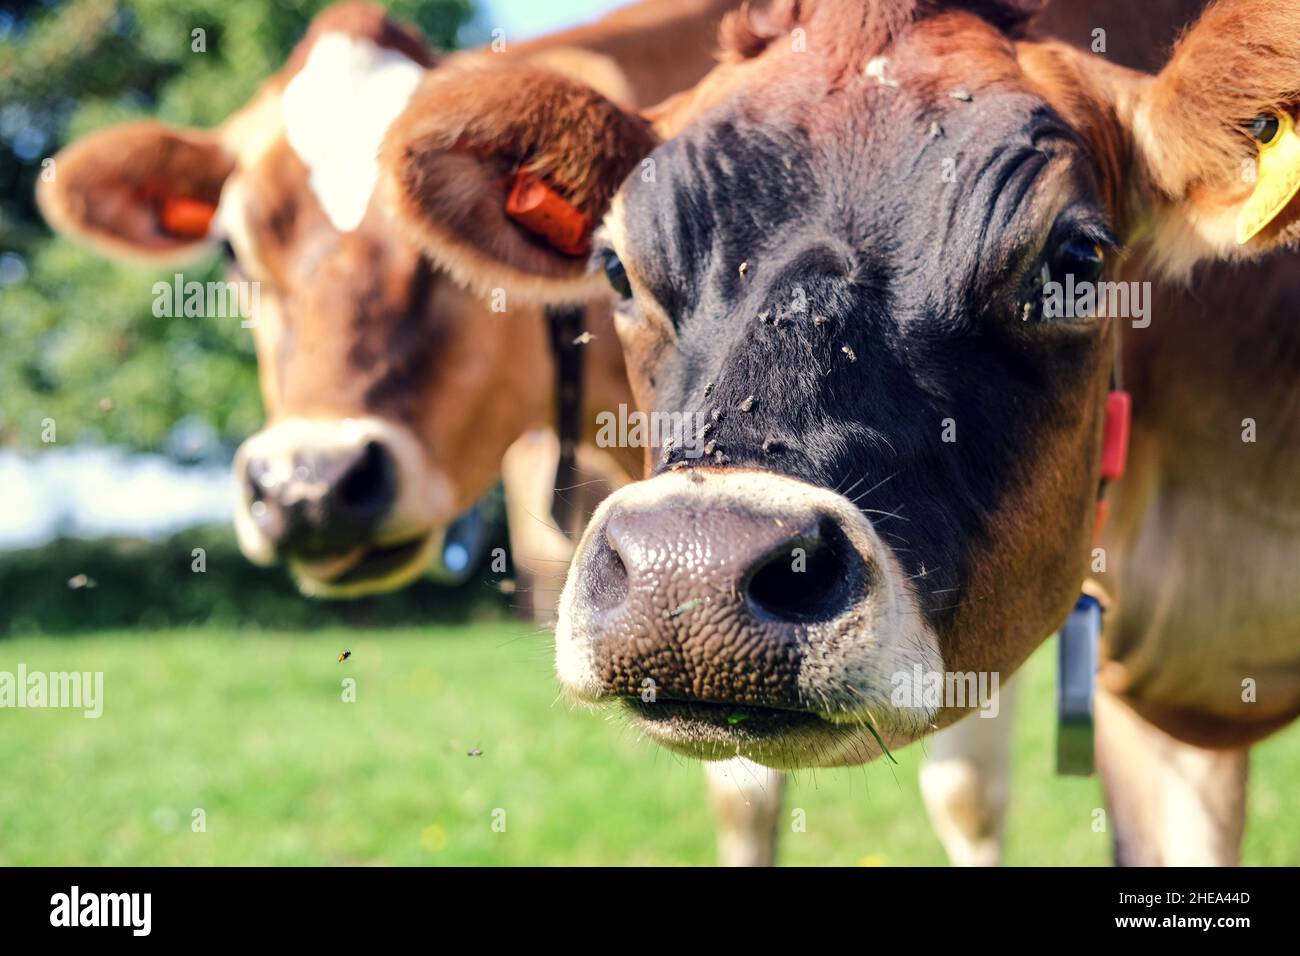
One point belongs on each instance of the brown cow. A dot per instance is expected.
(391, 392)
(847, 252)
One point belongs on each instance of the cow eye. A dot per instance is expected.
(1066, 275)
(1078, 257)
(1264, 127)
(617, 275)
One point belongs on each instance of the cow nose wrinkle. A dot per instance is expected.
(368, 488)
(810, 578)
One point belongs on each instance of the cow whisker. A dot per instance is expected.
(871, 489)
(887, 514)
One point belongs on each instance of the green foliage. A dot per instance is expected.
(77, 330)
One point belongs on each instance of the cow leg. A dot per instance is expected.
(1171, 804)
(966, 781)
(539, 551)
(747, 801)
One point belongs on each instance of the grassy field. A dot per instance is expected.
(250, 728)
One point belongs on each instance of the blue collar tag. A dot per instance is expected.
(1076, 680)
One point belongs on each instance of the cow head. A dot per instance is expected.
(842, 254)
(391, 392)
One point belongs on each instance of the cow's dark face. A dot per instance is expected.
(844, 278)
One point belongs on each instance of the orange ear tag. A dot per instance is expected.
(186, 217)
(543, 211)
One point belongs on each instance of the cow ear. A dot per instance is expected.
(140, 191)
(501, 172)
(1216, 132)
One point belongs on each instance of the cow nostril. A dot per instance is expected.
(605, 576)
(253, 473)
(809, 579)
(370, 485)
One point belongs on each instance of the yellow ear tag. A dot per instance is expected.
(1278, 179)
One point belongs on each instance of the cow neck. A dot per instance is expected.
(565, 325)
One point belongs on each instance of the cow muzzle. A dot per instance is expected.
(349, 504)
(744, 613)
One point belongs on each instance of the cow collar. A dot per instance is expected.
(1079, 644)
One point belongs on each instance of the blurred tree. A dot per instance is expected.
(78, 340)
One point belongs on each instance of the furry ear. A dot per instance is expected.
(500, 172)
(137, 191)
(1214, 133)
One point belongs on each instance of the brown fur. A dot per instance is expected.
(850, 29)
(450, 158)
(661, 47)
(1138, 36)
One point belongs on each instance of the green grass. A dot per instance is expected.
(251, 728)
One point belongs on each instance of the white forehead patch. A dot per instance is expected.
(336, 111)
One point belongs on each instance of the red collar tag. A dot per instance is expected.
(541, 210)
(1114, 437)
(1114, 450)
